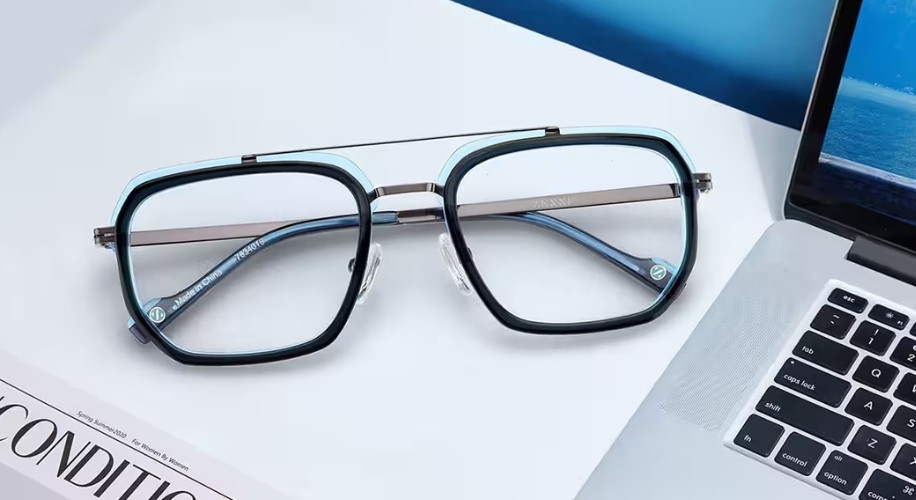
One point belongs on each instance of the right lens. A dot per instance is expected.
(276, 277)
(575, 233)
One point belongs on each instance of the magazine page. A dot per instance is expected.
(57, 443)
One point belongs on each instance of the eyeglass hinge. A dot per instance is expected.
(552, 131)
(104, 237)
(703, 182)
(249, 159)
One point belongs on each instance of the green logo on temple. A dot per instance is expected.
(658, 272)
(157, 314)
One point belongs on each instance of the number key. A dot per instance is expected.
(873, 338)
(905, 353)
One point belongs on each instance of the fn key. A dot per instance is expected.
(759, 435)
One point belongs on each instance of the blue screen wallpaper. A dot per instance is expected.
(759, 56)
(869, 151)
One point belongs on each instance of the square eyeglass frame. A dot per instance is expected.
(313, 161)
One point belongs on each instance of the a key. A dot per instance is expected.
(903, 423)
(847, 300)
(872, 445)
(800, 453)
(868, 406)
(842, 472)
(873, 338)
(833, 321)
(905, 353)
(759, 435)
(806, 416)
(875, 374)
(825, 353)
(888, 317)
(906, 390)
(882, 485)
(905, 463)
(812, 382)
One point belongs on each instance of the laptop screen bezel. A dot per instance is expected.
(811, 205)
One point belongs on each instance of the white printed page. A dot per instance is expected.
(57, 443)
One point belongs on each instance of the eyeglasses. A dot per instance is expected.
(558, 231)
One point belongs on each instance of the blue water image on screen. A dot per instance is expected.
(869, 151)
(875, 126)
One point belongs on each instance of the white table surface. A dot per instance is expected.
(424, 395)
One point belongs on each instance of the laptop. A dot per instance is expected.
(800, 381)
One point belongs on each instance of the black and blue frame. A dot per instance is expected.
(151, 319)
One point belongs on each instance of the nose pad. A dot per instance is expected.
(447, 250)
(375, 260)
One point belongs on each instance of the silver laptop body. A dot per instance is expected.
(800, 381)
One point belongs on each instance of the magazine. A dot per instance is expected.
(57, 443)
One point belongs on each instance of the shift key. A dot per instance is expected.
(808, 417)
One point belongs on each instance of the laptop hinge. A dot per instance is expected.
(885, 259)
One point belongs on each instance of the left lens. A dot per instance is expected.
(276, 276)
(577, 233)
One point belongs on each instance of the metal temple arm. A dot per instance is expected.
(105, 236)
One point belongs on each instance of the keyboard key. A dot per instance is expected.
(905, 463)
(842, 472)
(905, 353)
(873, 338)
(812, 382)
(847, 300)
(800, 453)
(913, 331)
(868, 406)
(759, 435)
(825, 353)
(906, 391)
(903, 423)
(871, 444)
(882, 485)
(888, 317)
(806, 416)
(833, 322)
(876, 374)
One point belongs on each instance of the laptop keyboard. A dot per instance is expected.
(838, 407)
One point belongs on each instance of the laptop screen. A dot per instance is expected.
(864, 175)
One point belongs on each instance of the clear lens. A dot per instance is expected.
(555, 261)
(279, 281)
